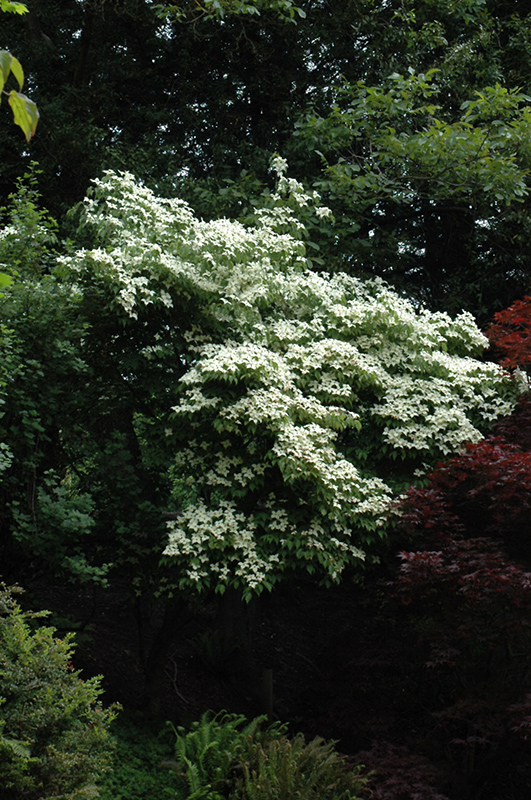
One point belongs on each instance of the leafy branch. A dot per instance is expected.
(25, 112)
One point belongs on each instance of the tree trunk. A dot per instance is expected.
(234, 624)
(155, 657)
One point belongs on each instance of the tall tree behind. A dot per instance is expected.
(190, 103)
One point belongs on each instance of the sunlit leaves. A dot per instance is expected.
(219, 9)
(8, 7)
(398, 143)
(25, 112)
(5, 280)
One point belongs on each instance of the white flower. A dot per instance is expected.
(278, 165)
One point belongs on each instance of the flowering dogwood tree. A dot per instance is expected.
(307, 398)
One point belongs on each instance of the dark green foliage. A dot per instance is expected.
(225, 757)
(43, 373)
(135, 772)
(224, 94)
(206, 755)
(82, 446)
(54, 740)
(411, 117)
(419, 189)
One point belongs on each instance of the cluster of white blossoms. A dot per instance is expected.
(218, 540)
(153, 249)
(300, 386)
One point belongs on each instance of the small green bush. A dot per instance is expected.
(206, 755)
(286, 768)
(225, 758)
(54, 738)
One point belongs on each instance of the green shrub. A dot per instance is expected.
(54, 739)
(284, 769)
(223, 757)
(206, 755)
(135, 773)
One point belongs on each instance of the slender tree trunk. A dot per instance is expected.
(85, 40)
(235, 623)
(155, 657)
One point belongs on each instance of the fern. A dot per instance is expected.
(213, 750)
(225, 757)
(283, 769)
(18, 747)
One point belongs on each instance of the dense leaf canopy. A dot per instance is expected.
(218, 373)
(427, 176)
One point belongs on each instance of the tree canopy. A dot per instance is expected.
(409, 118)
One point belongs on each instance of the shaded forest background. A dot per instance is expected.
(196, 107)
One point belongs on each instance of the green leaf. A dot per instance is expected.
(19, 747)
(12, 8)
(25, 113)
(5, 67)
(18, 72)
(8, 64)
(5, 280)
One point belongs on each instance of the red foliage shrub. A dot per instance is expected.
(427, 512)
(471, 607)
(399, 774)
(510, 335)
(485, 490)
(476, 569)
(516, 428)
(488, 486)
(521, 718)
(469, 604)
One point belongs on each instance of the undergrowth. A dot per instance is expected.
(227, 758)
(136, 773)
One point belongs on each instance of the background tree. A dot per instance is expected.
(232, 90)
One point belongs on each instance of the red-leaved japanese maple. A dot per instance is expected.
(471, 608)
(510, 335)
(399, 774)
(465, 586)
(485, 490)
(516, 428)
(470, 605)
